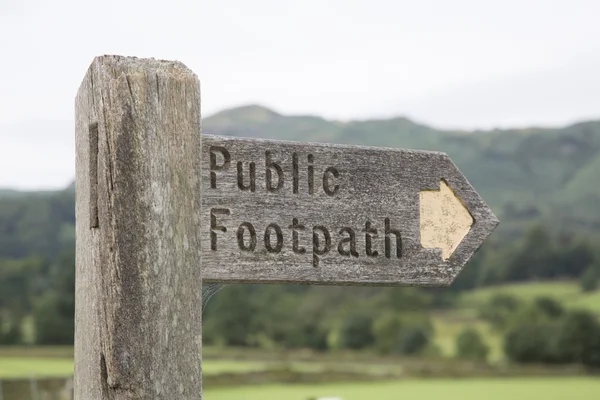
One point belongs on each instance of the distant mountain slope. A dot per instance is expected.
(530, 175)
(36, 223)
(525, 175)
(8, 193)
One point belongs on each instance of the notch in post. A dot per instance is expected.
(93, 174)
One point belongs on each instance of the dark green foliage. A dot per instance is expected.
(11, 333)
(21, 281)
(52, 325)
(540, 334)
(590, 279)
(387, 331)
(36, 224)
(471, 346)
(46, 290)
(578, 339)
(414, 340)
(573, 258)
(530, 334)
(234, 313)
(537, 254)
(402, 333)
(470, 276)
(277, 322)
(499, 310)
(531, 257)
(356, 331)
(54, 310)
(406, 299)
(543, 255)
(314, 336)
(549, 307)
(312, 317)
(531, 342)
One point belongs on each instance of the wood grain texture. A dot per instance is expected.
(331, 200)
(138, 282)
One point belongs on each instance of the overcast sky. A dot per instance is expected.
(450, 64)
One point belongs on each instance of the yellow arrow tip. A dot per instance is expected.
(445, 221)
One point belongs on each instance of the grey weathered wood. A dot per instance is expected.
(138, 283)
(374, 184)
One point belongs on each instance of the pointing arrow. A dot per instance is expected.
(445, 221)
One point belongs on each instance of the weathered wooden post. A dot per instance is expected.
(138, 285)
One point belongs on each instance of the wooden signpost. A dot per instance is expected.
(286, 212)
(162, 208)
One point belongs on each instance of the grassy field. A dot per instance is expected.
(49, 361)
(448, 324)
(472, 389)
(25, 367)
(568, 293)
(244, 366)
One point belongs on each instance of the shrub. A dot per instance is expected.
(549, 307)
(386, 331)
(356, 331)
(578, 339)
(499, 309)
(53, 324)
(590, 279)
(315, 337)
(413, 340)
(572, 338)
(530, 342)
(406, 333)
(10, 334)
(471, 346)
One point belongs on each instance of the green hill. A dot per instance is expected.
(36, 223)
(530, 175)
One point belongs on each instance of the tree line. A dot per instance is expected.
(538, 254)
(37, 306)
(37, 300)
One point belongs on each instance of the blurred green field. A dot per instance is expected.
(470, 389)
(25, 367)
(461, 388)
(16, 362)
(448, 324)
(567, 292)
